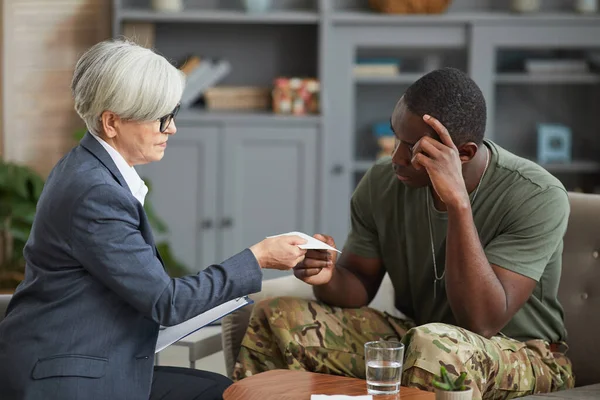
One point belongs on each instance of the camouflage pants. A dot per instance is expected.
(290, 333)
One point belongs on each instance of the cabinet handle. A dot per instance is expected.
(206, 224)
(337, 169)
(226, 223)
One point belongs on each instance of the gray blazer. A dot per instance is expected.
(84, 322)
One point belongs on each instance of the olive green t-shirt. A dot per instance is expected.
(520, 212)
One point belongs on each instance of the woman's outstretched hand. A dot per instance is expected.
(281, 252)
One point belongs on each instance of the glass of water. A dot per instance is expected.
(383, 359)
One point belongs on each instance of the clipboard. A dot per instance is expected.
(167, 335)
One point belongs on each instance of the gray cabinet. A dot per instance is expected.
(256, 190)
(268, 184)
(221, 188)
(184, 193)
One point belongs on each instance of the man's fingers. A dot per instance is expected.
(318, 254)
(429, 147)
(420, 160)
(298, 260)
(329, 240)
(311, 263)
(440, 129)
(325, 238)
(305, 273)
(322, 238)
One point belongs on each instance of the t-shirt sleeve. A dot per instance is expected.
(531, 234)
(363, 239)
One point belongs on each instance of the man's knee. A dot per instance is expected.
(282, 312)
(430, 346)
(434, 337)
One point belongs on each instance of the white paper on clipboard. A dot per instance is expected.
(171, 334)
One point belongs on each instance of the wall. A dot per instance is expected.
(42, 40)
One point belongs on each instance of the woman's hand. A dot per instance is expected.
(281, 252)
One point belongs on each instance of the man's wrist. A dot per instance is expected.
(459, 205)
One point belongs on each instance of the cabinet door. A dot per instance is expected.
(269, 184)
(184, 194)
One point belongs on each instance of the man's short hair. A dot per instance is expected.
(449, 95)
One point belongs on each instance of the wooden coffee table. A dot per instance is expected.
(297, 385)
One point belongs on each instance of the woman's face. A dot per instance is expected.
(140, 142)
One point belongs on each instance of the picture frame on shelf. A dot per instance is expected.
(554, 143)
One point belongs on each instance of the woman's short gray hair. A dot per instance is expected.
(130, 80)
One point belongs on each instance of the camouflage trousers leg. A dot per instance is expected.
(289, 333)
(497, 368)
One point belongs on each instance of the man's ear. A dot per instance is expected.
(467, 151)
(110, 123)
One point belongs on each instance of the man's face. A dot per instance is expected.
(408, 129)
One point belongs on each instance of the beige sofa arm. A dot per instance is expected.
(235, 324)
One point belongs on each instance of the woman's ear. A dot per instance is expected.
(110, 123)
(467, 151)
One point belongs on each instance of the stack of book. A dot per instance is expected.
(556, 66)
(376, 67)
(201, 74)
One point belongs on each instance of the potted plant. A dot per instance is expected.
(448, 389)
(20, 189)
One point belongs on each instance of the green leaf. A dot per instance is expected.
(36, 185)
(173, 266)
(20, 181)
(20, 232)
(446, 377)
(20, 189)
(5, 210)
(155, 221)
(460, 380)
(79, 134)
(442, 386)
(23, 212)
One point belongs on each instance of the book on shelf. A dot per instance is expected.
(376, 67)
(556, 66)
(201, 74)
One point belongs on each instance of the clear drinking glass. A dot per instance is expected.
(383, 361)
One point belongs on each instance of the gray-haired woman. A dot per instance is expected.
(84, 322)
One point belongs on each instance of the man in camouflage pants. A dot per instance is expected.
(290, 333)
(471, 238)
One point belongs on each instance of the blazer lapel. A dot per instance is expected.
(159, 257)
(92, 145)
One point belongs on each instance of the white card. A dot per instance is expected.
(340, 397)
(311, 242)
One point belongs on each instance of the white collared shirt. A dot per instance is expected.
(136, 184)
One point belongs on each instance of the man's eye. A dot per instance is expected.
(409, 146)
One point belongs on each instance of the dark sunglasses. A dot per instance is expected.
(166, 120)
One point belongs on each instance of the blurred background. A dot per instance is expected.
(288, 102)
